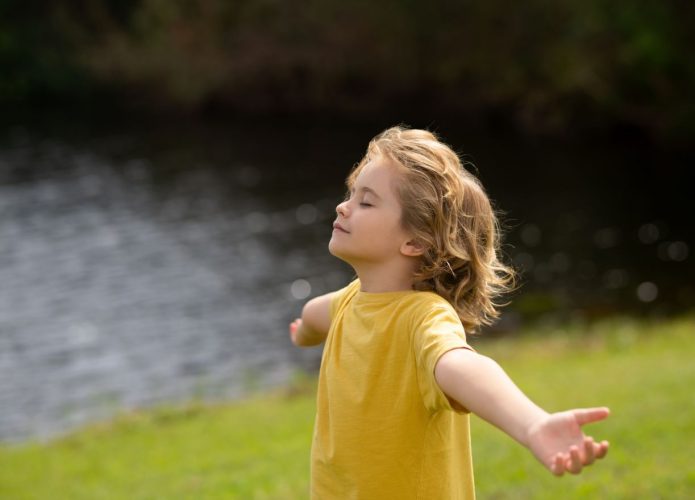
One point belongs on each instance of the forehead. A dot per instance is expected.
(377, 173)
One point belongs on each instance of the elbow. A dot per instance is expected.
(307, 340)
(307, 311)
(315, 316)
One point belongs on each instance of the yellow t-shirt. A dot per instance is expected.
(384, 429)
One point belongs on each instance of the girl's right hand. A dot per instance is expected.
(559, 443)
(294, 329)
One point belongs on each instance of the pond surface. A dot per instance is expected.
(154, 265)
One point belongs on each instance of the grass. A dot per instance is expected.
(643, 372)
(259, 448)
(255, 449)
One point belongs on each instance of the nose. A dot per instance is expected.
(342, 209)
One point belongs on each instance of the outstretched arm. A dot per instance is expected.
(479, 384)
(311, 329)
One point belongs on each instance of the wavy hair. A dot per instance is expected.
(448, 212)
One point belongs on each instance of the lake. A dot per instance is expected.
(158, 263)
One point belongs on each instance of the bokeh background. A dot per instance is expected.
(169, 172)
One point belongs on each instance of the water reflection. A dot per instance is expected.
(121, 293)
(647, 291)
(649, 233)
(607, 237)
(137, 274)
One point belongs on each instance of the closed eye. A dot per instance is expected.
(364, 204)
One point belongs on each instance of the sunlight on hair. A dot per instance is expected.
(448, 212)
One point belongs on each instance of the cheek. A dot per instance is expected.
(388, 233)
(382, 226)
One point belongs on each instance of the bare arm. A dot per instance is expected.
(479, 384)
(311, 329)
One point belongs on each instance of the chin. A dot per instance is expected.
(335, 251)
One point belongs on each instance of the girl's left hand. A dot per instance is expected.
(559, 443)
(294, 328)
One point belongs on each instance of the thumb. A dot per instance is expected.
(589, 415)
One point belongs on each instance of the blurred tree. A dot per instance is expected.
(544, 65)
(34, 60)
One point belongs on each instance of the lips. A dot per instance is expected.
(338, 227)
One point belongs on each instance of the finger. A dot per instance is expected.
(602, 449)
(588, 415)
(590, 448)
(293, 331)
(557, 465)
(574, 462)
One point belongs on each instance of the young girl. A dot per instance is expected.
(398, 379)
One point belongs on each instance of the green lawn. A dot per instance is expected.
(644, 373)
(259, 448)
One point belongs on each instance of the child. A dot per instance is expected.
(397, 378)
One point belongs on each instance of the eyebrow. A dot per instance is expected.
(365, 189)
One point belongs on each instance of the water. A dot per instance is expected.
(122, 289)
(143, 267)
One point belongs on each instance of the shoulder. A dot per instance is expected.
(343, 296)
(430, 314)
(423, 304)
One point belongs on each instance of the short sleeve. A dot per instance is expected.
(436, 331)
(342, 297)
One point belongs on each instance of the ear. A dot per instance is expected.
(412, 248)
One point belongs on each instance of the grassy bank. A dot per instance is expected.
(259, 448)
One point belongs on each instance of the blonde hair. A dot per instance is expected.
(448, 212)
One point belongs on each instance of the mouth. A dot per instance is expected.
(339, 228)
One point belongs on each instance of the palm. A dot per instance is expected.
(559, 443)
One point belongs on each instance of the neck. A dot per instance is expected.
(381, 278)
